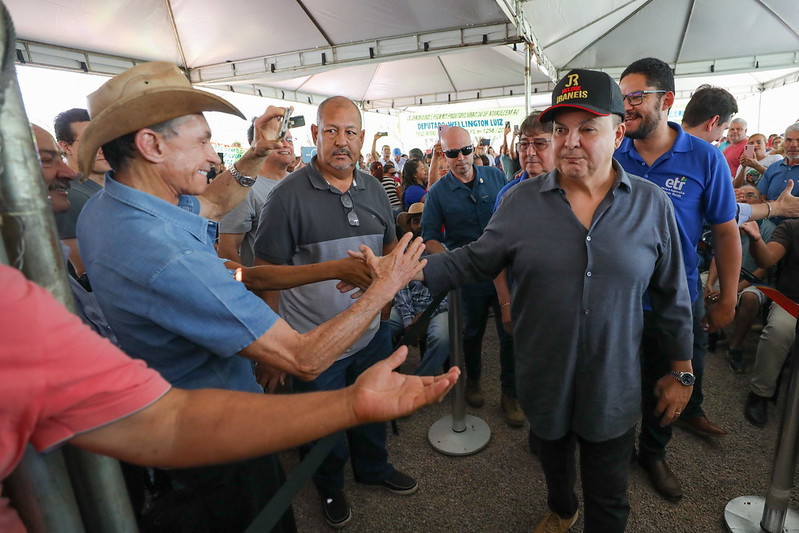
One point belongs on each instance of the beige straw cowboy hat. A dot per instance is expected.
(143, 96)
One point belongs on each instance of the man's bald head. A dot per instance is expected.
(337, 101)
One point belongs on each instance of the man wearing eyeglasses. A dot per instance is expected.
(462, 202)
(697, 180)
(316, 214)
(238, 228)
(535, 152)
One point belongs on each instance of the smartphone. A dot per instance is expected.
(507, 124)
(307, 153)
(485, 142)
(297, 121)
(284, 126)
(441, 129)
(749, 151)
(516, 129)
(382, 134)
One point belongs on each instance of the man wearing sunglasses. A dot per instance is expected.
(697, 180)
(321, 211)
(462, 202)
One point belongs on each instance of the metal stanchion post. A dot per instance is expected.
(31, 245)
(742, 513)
(458, 433)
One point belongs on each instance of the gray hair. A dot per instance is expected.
(792, 127)
(739, 120)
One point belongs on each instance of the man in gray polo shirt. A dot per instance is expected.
(316, 214)
(584, 242)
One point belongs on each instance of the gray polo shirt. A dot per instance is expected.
(577, 301)
(304, 222)
(244, 217)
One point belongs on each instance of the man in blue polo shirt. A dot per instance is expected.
(697, 179)
(147, 240)
(776, 177)
(462, 203)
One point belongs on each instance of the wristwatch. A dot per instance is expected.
(685, 378)
(244, 181)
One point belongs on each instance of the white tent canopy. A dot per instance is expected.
(388, 54)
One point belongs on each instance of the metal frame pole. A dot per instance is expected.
(741, 514)
(458, 433)
(42, 491)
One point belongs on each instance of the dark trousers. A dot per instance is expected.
(654, 365)
(369, 440)
(221, 499)
(604, 468)
(476, 300)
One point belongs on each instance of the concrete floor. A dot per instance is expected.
(501, 488)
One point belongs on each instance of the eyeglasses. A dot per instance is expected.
(537, 144)
(352, 216)
(751, 195)
(636, 98)
(466, 150)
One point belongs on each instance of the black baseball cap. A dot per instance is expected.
(589, 90)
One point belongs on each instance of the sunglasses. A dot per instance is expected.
(352, 216)
(466, 150)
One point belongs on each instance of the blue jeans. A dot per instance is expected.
(476, 300)
(368, 441)
(605, 471)
(654, 365)
(437, 351)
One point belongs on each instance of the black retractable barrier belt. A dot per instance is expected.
(270, 515)
(417, 326)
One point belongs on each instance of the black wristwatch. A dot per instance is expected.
(685, 378)
(244, 181)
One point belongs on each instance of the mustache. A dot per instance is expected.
(631, 115)
(344, 151)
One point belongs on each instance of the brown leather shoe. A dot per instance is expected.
(474, 396)
(513, 413)
(701, 426)
(663, 479)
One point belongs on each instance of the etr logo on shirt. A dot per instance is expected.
(674, 186)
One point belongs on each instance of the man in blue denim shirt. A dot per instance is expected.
(462, 202)
(169, 298)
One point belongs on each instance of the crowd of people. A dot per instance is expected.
(579, 237)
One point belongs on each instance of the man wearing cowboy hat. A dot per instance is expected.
(147, 242)
(584, 242)
(413, 299)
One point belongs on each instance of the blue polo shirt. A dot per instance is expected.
(696, 177)
(506, 188)
(464, 212)
(165, 292)
(774, 180)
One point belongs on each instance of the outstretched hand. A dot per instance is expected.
(380, 394)
(393, 271)
(786, 205)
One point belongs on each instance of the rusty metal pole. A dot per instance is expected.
(40, 489)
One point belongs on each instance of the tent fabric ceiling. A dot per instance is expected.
(733, 35)
(396, 54)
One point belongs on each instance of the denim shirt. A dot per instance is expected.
(464, 212)
(165, 292)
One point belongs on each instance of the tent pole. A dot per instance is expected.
(528, 77)
(31, 245)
